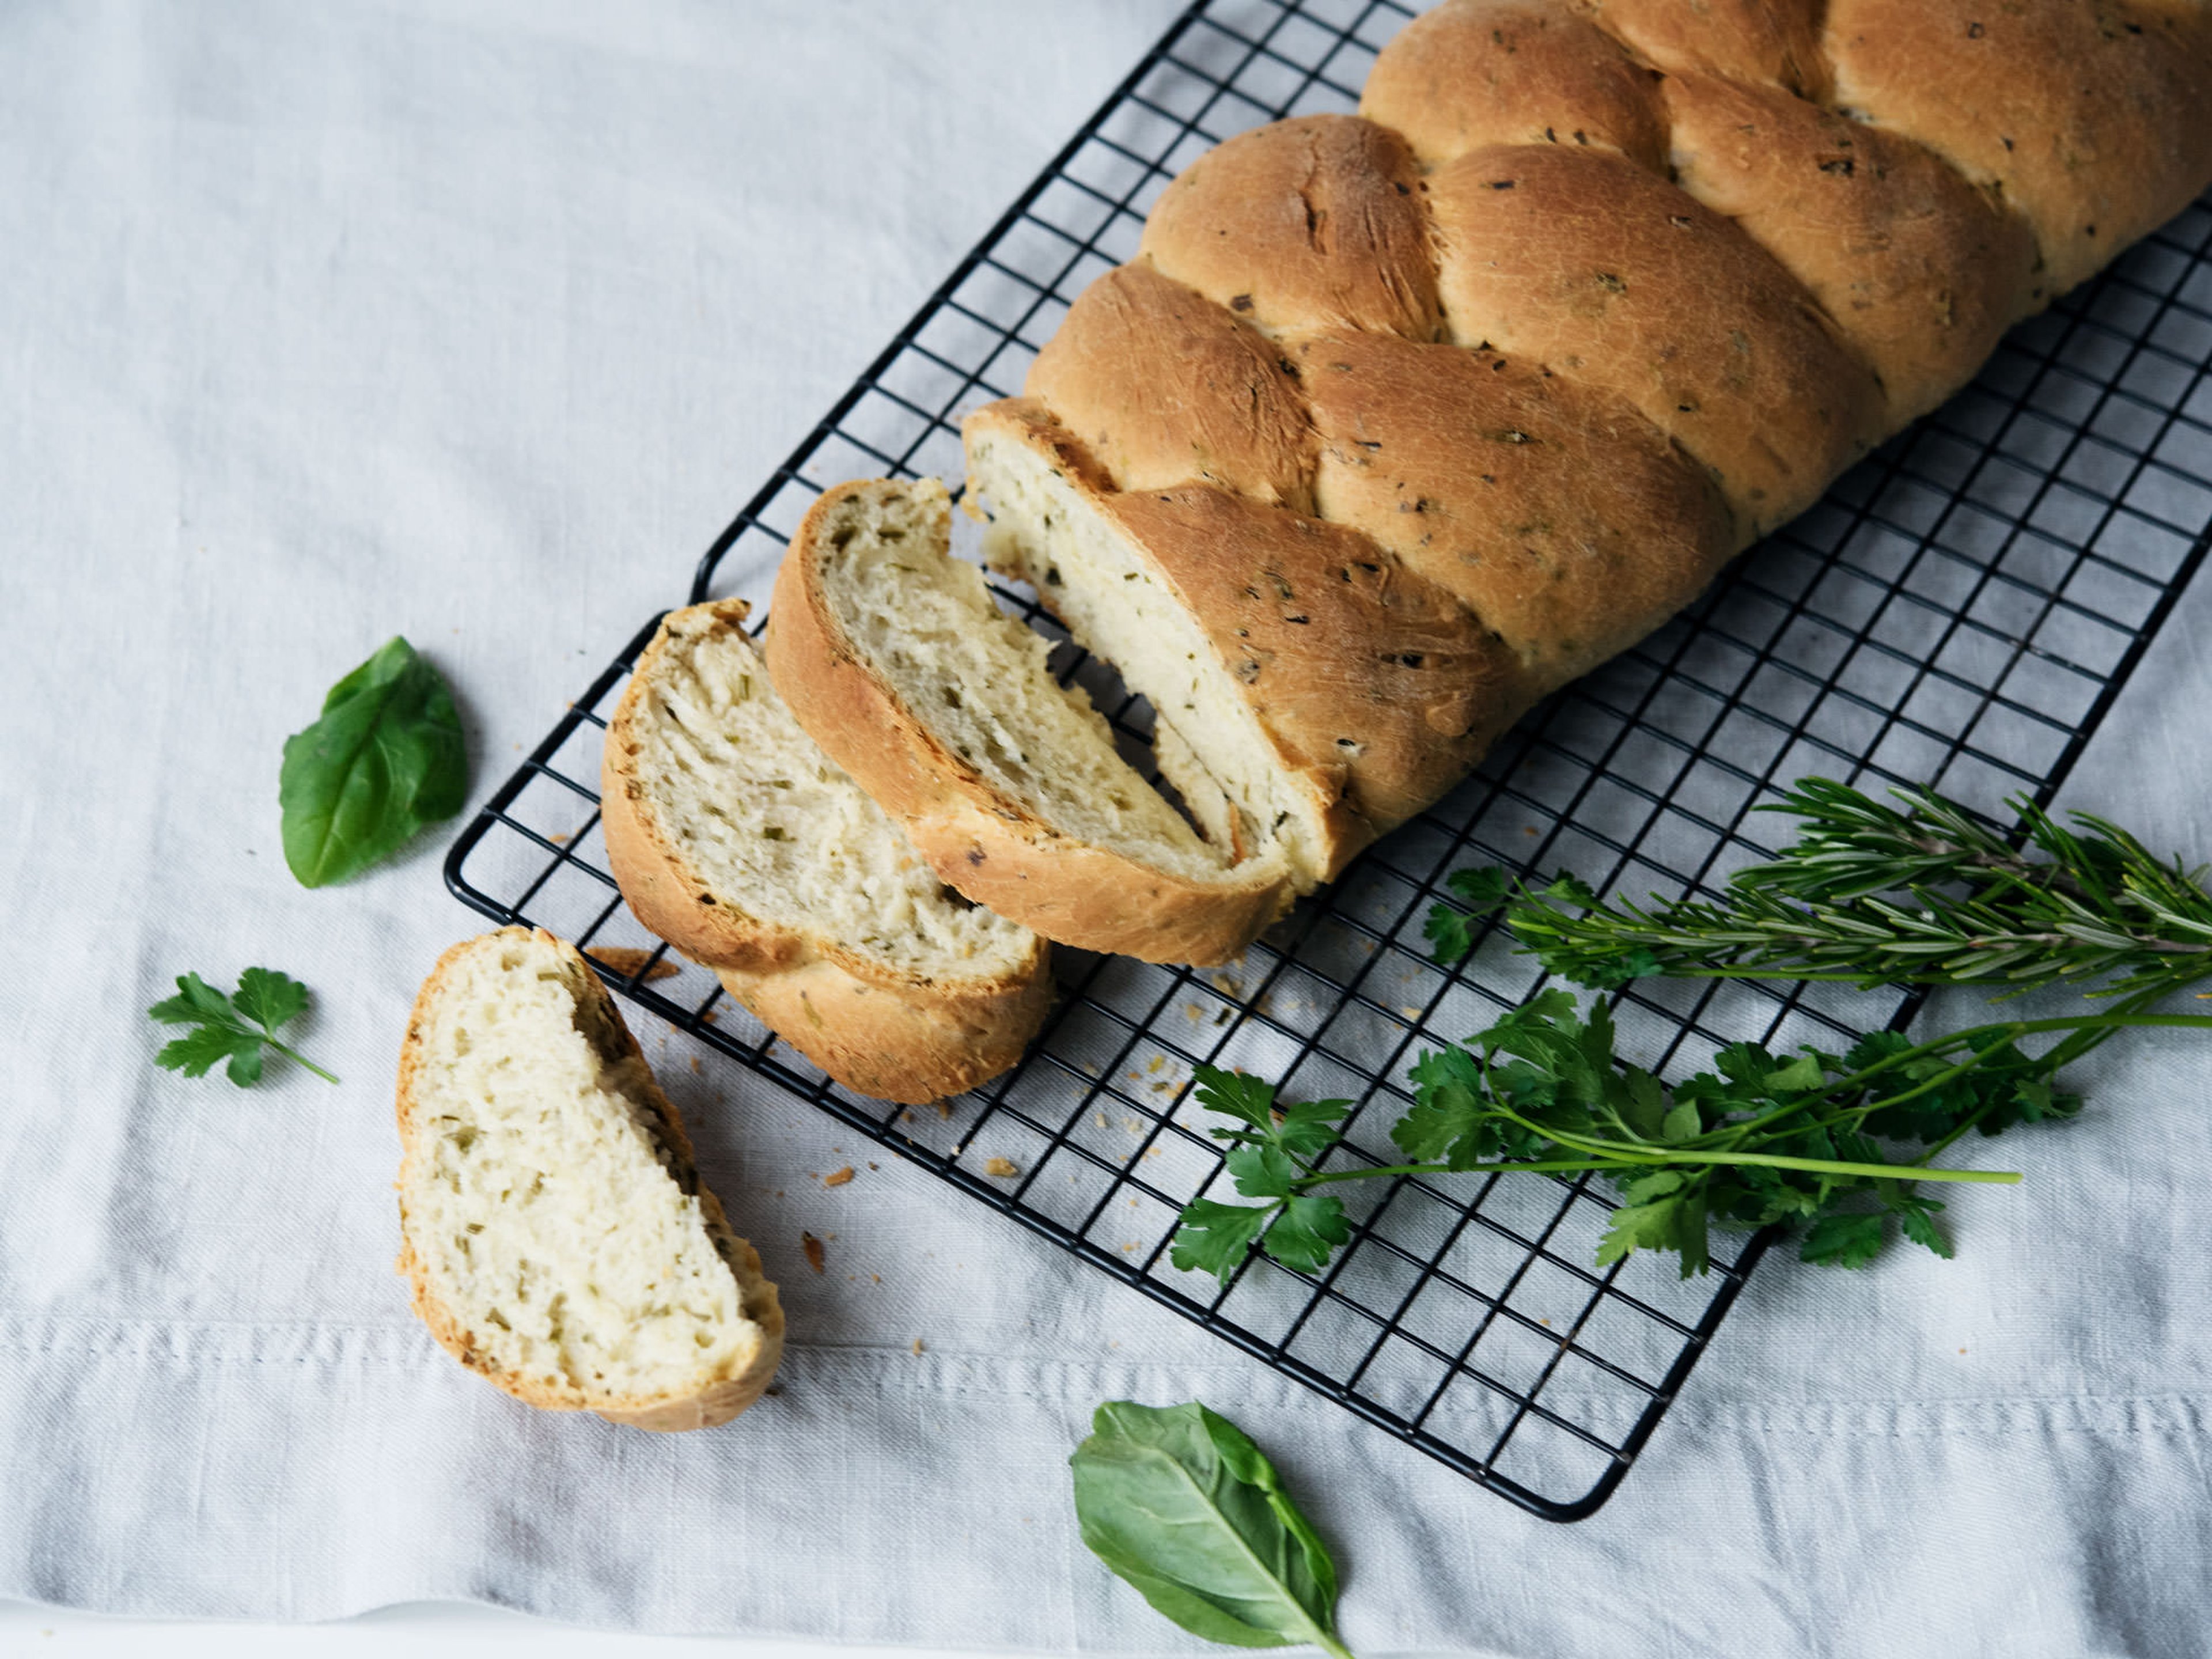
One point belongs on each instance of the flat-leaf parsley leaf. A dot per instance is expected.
(232, 1029)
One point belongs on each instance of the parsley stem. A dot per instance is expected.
(1552, 1166)
(290, 1053)
(1829, 1166)
(1658, 1157)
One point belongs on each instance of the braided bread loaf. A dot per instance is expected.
(1400, 421)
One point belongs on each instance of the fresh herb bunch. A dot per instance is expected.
(234, 1029)
(1839, 1144)
(1180, 1505)
(1871, 895)
(385, 758)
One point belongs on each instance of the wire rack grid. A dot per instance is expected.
(1961, 611)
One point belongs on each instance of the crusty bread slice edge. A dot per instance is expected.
(989, 847)
(910, 1049)
(706, 1408)
(1025, 428)
(875, 1027)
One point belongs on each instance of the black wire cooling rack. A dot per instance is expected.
(1961, 611)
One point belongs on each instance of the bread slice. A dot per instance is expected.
(551, 1224)
(736, 839)
(896, 661)
(1301, 673)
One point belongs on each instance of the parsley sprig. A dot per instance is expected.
(1872, 894)
(234, 1029)
(1840, 1143)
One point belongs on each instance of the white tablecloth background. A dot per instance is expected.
(319, 324)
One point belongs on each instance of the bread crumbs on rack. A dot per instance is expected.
(812, 1248)
(999, 1166)
(917, 1347)
(838, 1177)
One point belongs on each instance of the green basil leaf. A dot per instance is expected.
(1180, 1505)
(385, 759)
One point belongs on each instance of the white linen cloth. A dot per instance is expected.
(474, 323)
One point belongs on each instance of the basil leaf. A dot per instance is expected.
(1181, 1505)
(385, 758)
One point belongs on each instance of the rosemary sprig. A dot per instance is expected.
(1871, 895)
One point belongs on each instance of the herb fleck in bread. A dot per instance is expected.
(894, 658)
(736, 839)
(551, 1223)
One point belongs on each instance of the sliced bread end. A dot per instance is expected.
(552, 1224)
(893, 656)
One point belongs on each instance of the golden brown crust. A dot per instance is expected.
(1358, 669)
(1777, 41)
(1310, 223)
(1166, 387)
(987, 846)
(2093, 117)
(1472, 73)
(1560, 517)
(1617, 280)
(906, 1029)
(722, 1400)
(910, 1049)
(1918, 269)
